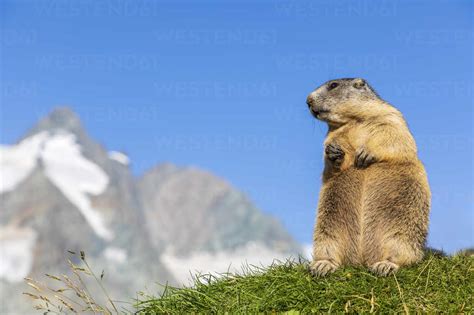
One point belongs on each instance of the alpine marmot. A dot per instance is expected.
(375, 199)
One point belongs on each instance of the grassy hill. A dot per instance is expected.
(438, 284)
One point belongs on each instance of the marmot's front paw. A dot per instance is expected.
(384, 268)
(334, 153)
(320, 268)
(363, 158)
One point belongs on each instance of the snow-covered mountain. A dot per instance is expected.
(60, 190)
(59, 156)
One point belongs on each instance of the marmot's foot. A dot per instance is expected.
(334, 153)
(363, 158)
(320, 268)
(384, 268)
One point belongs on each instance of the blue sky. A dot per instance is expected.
(222, 86)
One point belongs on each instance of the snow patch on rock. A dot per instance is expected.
(76, 177)
(220, 262)
(16, 253)
(17, 161)
(119, 157)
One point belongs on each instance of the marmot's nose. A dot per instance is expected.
(309, 101)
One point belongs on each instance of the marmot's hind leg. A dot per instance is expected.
(396, 218)
(336, 226)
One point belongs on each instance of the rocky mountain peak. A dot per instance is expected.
(61, 118)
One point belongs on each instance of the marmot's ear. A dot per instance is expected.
(358, 83)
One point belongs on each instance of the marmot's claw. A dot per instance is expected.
(321, 268)
(384, 268)
(334, 152)
(363, 158)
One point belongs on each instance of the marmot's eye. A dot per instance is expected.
(333, 85)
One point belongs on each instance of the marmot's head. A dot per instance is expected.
(340, 101)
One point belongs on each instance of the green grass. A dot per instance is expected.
(437, 284)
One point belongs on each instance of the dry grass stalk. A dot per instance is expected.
(73, 295)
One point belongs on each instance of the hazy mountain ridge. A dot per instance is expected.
(76, 195)
(188, 199)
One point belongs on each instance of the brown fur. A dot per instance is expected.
(375, 199)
